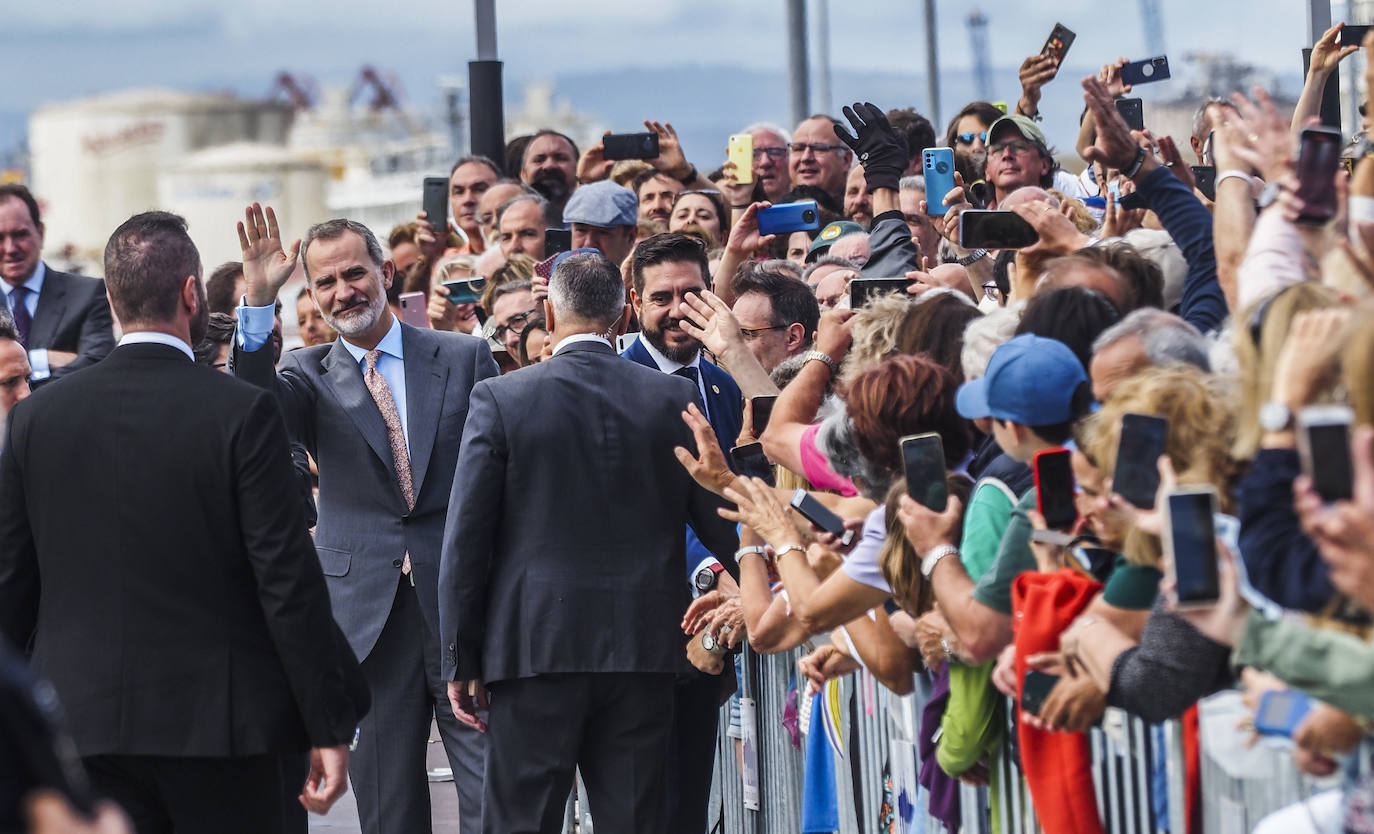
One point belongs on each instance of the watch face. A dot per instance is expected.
(705, 579)
(1274, 416)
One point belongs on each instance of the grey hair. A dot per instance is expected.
(776, 264)
(835, 440)
(587, 288)
(1200, 115)
(538, 200)
(982, 337)
(7, 328)
(915, 182)
(828, 260)
(335, 229)
(769, 127)
(1168, 339)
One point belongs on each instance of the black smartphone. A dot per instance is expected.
(761, 408)
(981, 229)
(1035, 688)
(1136, 476)
(1133, 111)
(555, 241)
(630, 145)
(1058, 43)
(923, 460)
(1324, 448)
(751, 462)
(783, 219)
(1206, 178)
(436, 203)
(1145, 71)
(1191, 543)
(1353, 35)
(465, 290)
(1319, 155)
(1054, 488)
(821, 516)
(862, 290)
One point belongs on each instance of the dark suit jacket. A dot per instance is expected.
(155, 552)
(73, 314)
(564, 548)
(364, 529)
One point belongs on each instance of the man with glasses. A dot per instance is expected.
(818, 158)
(777, 314)
(771, 170)
(512, 305)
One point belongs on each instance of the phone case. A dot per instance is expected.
(801, 216)
(938, 167)
(629, 146)
(1133, 111)
(1145, 71)
(1058, 43)
(741, 152)
(1280, 712)
(1056, 522)
(436, 202)
(1171, 574)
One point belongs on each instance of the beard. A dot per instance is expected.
(682, 354)
(359, 320)
(553, 184)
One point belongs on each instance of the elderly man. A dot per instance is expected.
(818, 158)
(603, 217)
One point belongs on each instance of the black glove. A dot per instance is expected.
(880, 149)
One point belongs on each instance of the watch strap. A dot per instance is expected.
(819, 357)
(933, 558)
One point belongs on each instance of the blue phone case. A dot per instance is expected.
(1145, 71)
(938, 165)
(1280, 712)
(786, 218)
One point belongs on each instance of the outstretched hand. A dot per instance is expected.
(709, 467)
(876, 144)
(266, 266)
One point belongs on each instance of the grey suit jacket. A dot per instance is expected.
(364, 529)
(564, 546)
(73, 314)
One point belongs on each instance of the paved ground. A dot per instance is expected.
(443, 801)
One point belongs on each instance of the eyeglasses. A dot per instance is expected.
(755, 332)
(814, 147)
(967, 138)
(1010, 146)
(774, 153)
(991, 290)
(516, 325)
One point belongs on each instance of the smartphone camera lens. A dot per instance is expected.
(809, 216)
(1147, 70)
(942, 167)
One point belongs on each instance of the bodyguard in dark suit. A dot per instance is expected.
(156, 560)
(381, 410)
(667, 268)
(63, 320)
(561, 583)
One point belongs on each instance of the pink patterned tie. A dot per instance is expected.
(381, 393)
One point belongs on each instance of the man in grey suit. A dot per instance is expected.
(560, 586)
(381, 410)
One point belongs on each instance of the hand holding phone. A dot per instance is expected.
(751, 462)
(923, 461)
(761, 411)
(1190, 544)
(1054, 492)
(1281, 711)
(1133, 111)
(1035, 688)
(629, 146)
(983, 229)
(818, 514)
(1057, 44)
(1145, 71)
(937, 165)
(1136, 474)
(1324, 449)
(740, 151)
(783, 219)
(436, 204)
(1319, 156)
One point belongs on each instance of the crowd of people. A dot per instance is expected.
(553, 552)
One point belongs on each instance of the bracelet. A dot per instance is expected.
(757, 550)
(973, 257)
(787, 548)
(819, 357)
(1231, 173)
(1136, 164)
(690, 177)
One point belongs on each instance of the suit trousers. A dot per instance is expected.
(167, 794)
(613, 727)
(388, 770)
(691, 762)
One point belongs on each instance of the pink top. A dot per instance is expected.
(816, 468)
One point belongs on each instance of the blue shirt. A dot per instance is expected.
(38, 357)
(255, 329)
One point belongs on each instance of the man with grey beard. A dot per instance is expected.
(381, 410)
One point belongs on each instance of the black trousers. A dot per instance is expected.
(691, 761)
(388, 770)
(613, 727)
(182, 795)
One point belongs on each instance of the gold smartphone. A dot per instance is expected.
(741, 152)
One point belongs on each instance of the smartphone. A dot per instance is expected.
(1206, 178)
(821, 516)
(555, 241)
(436, 203)
(1191, 544)
(862, 290)
(1353, 35)
(1058, 43)
(624, 340)
(937, 166)
(761, 409)
(1319, 155)
(1133, 111)
(1281, 711)
(983, 229)
(413, 309)
(923, 460)
(630, 145)
(741, 152)
(1035, 688)
(1145, 71)
(786, 218)
(1324, 448)
(465, 290)
(751, 462)
(1054, 488)
(1136, 476)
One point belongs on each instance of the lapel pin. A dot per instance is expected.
(715, 389)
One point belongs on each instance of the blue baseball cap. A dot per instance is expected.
(603, 204)
(1031, 380)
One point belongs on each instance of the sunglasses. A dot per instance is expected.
(967, 138)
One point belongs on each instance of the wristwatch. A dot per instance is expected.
(689, 177)
(706, 578)
(1274, 416)
(934, 556)
(1268, 195)
(819, 357)
(973, 257)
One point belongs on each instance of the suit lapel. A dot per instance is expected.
(345, 380)
(426, 379)
(637, 353)
(50, 308)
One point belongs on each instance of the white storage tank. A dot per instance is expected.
(95, 161)
(211, 188)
